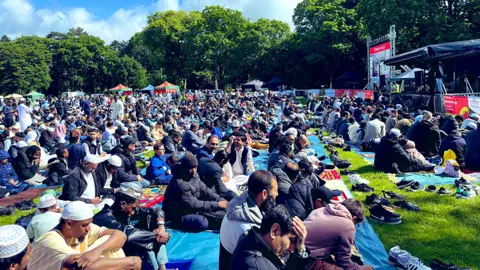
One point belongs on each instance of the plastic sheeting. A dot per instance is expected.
(203, 248)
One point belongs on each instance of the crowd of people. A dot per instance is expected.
(280, 217)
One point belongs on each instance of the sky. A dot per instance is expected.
(117, 19)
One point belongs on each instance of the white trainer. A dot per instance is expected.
(355, 178)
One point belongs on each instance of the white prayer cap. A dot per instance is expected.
(50, 129)
(398, 106)
(31, 136)
(77, 211)
(46, 201)
(292, 131)
(22, 99)
(92, 159)
(13, 240)
(236, 124)
(115, 161)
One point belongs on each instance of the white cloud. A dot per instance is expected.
(20, 17)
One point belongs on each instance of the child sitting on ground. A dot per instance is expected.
(409, 147)
(8, 177)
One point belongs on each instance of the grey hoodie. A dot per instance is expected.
(242, 215)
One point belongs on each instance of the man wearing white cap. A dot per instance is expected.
(15, 248)
(46, 220)
(24, 115)
(106, 172)
(82, 184)
(77, 243)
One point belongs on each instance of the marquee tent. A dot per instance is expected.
(276, 84)
(167, 88)
(121, 89)
(254, 85)
(34, 95)
(149, 89)
(440, 52)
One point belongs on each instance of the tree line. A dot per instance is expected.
(221, 48)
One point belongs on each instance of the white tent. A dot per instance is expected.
(406, 76)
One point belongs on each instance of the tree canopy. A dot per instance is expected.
(220, 47)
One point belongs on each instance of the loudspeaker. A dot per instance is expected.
(382, 80)
(419, 78)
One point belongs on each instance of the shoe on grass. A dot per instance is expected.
(375, 199)
(7, 211)
(355, 178)
(406, 205)
(345, 172)
(415, 187)
(464, 192)
(362, 188)
(382, 214)
(444, 191)
(431, 188)
(392, 195)
(405, 183)
(394, 253)
(416, 264)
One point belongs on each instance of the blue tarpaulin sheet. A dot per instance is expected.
(318, 147)
(203, 247)
(428, 179)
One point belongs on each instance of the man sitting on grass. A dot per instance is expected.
(46, 220)
(77, 243)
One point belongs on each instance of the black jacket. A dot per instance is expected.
(427, 138)
(472, 154)
(139, 240)
(300, 197)
(211, 175)
(184, 197)
(275, 159)
(129, 171)
(75, 185)
(253, 253)
(24, 167)
(57, 171)
(455, 143)
(101, 174)
(390, 151)
(46, 139)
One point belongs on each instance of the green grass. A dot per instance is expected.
(446, 228)
(5, 220)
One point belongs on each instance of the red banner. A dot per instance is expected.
(351, 92)
(457, 105)
(380, 48)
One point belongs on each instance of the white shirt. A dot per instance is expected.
(89, 192)
(24, 116)
(108, 182)
(237, 166)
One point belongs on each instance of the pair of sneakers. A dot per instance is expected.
(403, 260)
(384, 214)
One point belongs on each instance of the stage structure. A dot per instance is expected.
(379, 50)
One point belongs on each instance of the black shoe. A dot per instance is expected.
(8, 210)
(345, 172)
(460, 182)
(362, 188)
(405, 183)
(431, 188)
(322, 158)
(416, 187)
(443, 191)
(31, 203)
(392, 195)
(375, 199)
(380, 214)
(347, 148)
(23, 205)
(407, 205)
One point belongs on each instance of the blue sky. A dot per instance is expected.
(117, 19)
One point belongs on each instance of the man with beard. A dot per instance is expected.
(189, 204)
(144, 227)
(77, 243)
(245, 212)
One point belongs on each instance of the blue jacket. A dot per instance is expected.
(6, 170)
(218, 132)
(157, 168)
(76, 152)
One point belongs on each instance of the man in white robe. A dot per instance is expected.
(24, 115)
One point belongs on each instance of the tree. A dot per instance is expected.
(130, 72)
(119, 46)
(5, 38)
(24, 65)
(328, 35)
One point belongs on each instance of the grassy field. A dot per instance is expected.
(4, 220)
(446, 228)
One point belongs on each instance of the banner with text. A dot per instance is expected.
(457, 105)
(349, 92)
